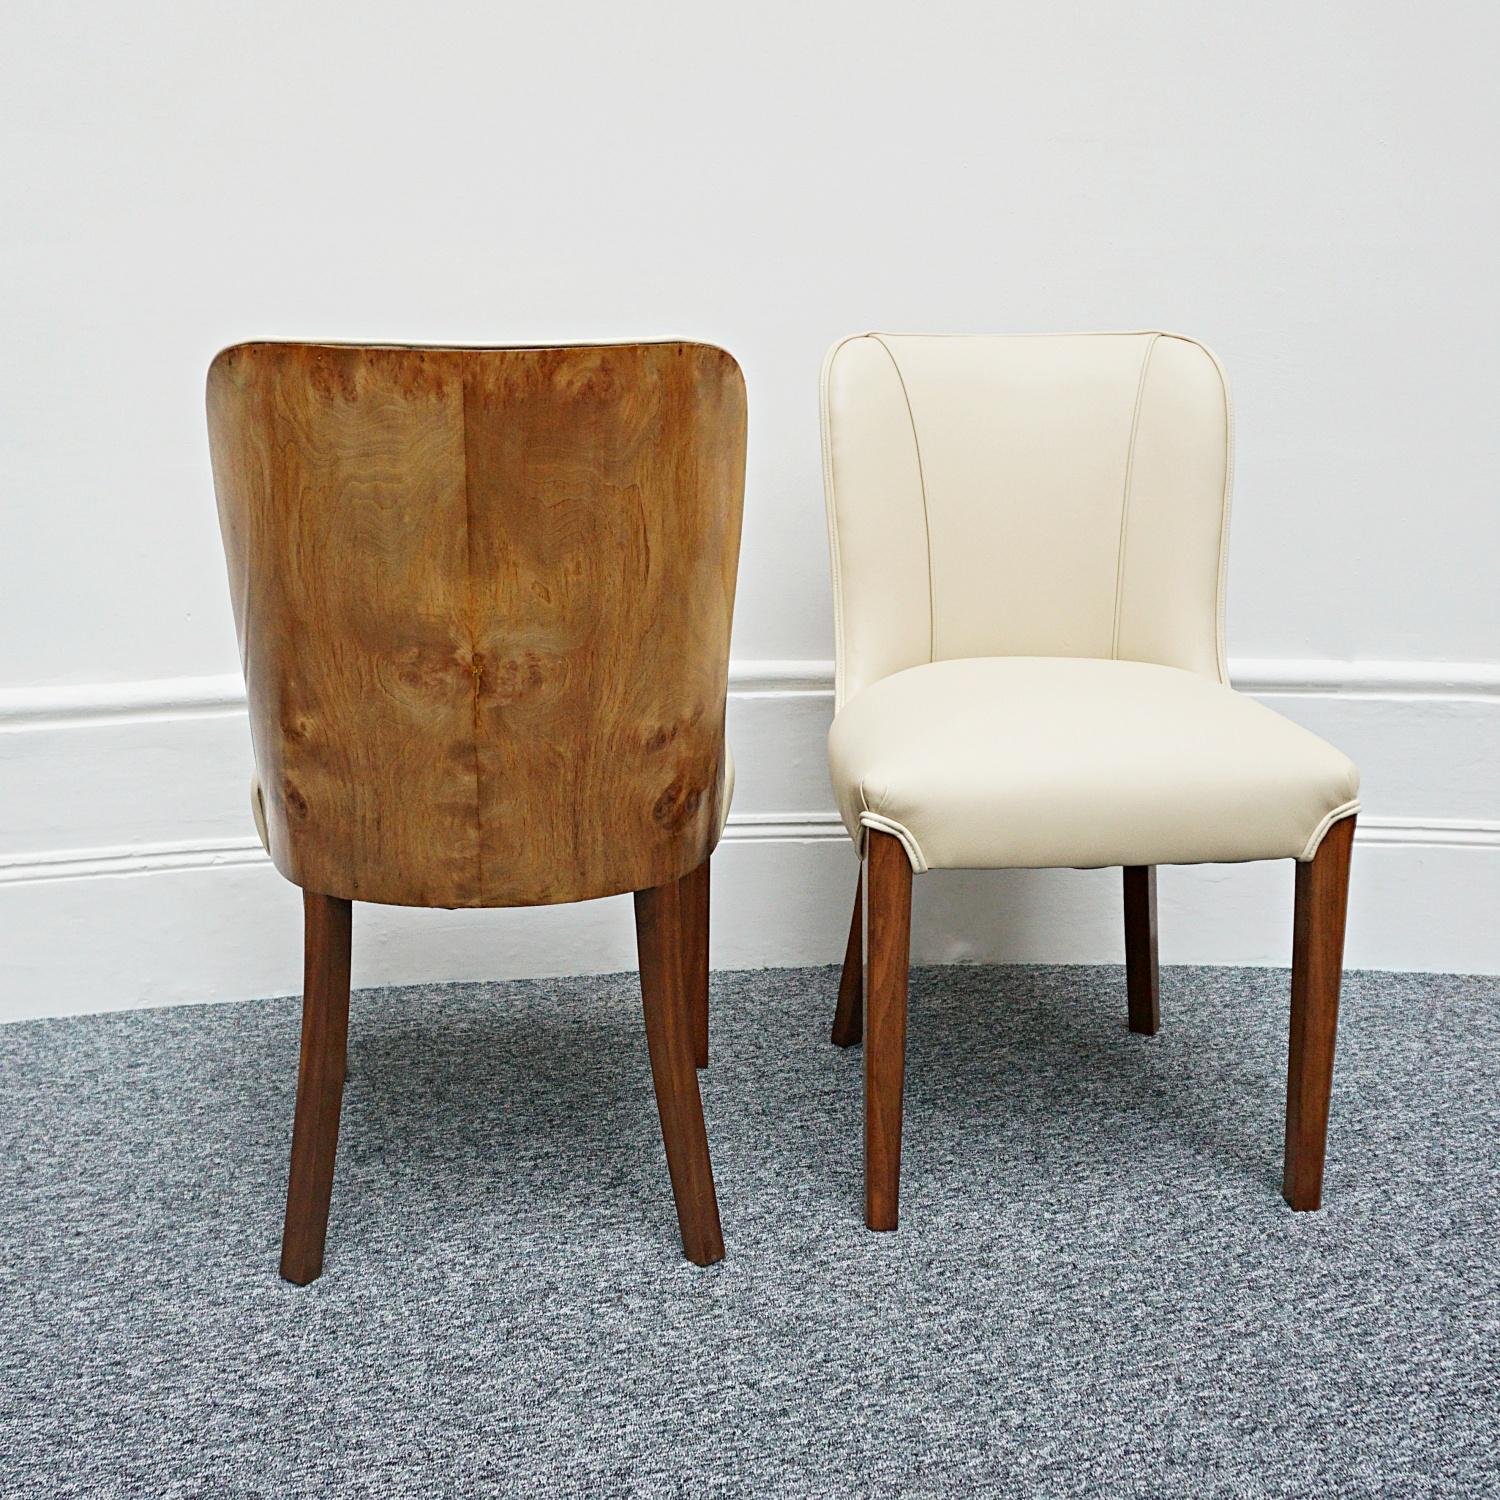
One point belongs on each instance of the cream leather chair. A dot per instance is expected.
(1028, 539)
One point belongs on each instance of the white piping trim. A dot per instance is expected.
(1345, 810)
(916, 443)
(831, 512)
(1221, 586)
(899, 830)
(1135, 427)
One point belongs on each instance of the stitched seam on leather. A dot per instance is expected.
(916, 443)
(1223, 583)
(1346, 810)
(830, 503)
(1135, 425)
(1222, 579)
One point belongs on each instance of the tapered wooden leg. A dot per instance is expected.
(887, 903)
(849, 1018)
(327, 926)
(660, 936)
(695, 957)
(1317, 968)
(1142, 977)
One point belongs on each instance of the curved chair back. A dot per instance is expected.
(1054, 495)
(483, 599)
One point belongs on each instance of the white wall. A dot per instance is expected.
(1308, 187)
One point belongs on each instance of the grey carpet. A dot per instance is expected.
(1096, 1289)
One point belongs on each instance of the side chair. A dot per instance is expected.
(483, 598)
(1028, 539)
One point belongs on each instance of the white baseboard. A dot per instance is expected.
(129, 873)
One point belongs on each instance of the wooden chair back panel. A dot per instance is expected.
(484, 600)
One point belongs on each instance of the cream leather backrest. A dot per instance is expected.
(1051, 495)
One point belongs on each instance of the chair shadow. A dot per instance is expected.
(537, 1093)
(454, 1113)
(1004, 1067)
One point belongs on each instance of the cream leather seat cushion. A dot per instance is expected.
(258, 807)
(995, 762)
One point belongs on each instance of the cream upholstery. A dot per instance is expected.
(258, 807)
(1028, 539)
(998, 761)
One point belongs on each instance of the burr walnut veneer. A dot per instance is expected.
(483, 599)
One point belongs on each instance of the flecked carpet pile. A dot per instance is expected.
(1096, 1289)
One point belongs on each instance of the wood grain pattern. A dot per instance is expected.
(327, 934)
(1142, 971)
(660, 919)
(1317, 971)
(695, 966)
(888, 946)
(849, 1015)
(483, 599)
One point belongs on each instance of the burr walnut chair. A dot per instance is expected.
(1028, 541)
(483, 599)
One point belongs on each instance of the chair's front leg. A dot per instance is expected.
(848, 1018)
(327, 934)
(887, 903)
(1142, 974)
(659, 924)
(1317, 967)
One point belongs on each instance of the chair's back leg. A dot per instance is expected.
(1142, 975)
(327, 931)
(888, 944)
(848, 1018)
(660, 936)
(1317, 968)
(695, 956)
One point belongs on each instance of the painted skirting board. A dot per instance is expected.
(130, 875)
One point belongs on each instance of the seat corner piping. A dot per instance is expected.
(883, 824)
(1337, 815)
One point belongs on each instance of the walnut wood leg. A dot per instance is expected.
(1317, 967)
(848, 1018)
(659, 927)
(887, 903)
(1142, 976)
(695, 956)
(327, 929)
